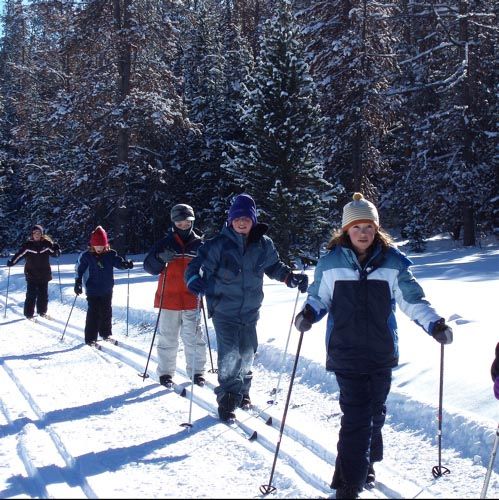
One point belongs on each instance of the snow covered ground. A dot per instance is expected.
(76, 422)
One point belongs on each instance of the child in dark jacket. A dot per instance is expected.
(230, 268)
(357, 284)
(178, 315)
(94, 270)
(36, 252)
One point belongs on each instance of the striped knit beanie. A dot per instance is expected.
(357, 211)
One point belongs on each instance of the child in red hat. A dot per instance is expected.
(94, 270)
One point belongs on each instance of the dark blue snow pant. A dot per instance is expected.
(99, 317)
(36, 293)
(236, 346)
(362, 401)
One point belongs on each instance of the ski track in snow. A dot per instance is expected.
(309, 438)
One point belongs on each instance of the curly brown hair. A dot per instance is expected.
(341, 237)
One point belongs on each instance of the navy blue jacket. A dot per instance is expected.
(97, 273)
(233, 269)
(360, 302)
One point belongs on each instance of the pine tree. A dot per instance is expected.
(447, 119)
(282, 124)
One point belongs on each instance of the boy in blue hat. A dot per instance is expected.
(229, 269)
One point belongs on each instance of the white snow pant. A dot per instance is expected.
(188, 325)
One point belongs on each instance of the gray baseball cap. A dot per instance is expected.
(182, 212)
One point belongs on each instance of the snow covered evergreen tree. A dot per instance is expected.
(448, 129)
(216, 60)
(277, 160)
(350, 46)
(124, 118)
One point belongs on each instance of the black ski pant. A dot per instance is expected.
(36, 294)
(99, 317)
(362, 401)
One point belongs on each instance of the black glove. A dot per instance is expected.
(57, 249)
(128, 264)
(304, 319)
(166, 255)
(78, 288)
(297, 280)
(441, 332)
(197, 286)
(9, 263)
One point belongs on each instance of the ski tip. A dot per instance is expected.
(268, 421)
(253, 436)
(183, 392)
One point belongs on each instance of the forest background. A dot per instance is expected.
(111, 111)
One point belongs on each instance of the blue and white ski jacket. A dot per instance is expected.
(360, 301)
(96, 271)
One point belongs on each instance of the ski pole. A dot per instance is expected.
(275, 391)
(145, 375)
(213, 370)
(188, 425)
(268, 488)
(439, 470)
(491, 464)
(7, 294)
(127, 300)
(76, 296)
(59, 273)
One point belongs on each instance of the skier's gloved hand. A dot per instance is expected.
(57, 249)
(10, 263)
(78, 287)
(441, 332)
(197, 285)
(297, 280)
(128, 264)
(496, 388)
(166, 255)
(304, 319)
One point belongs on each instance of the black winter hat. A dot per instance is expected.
(37, 227)
(182, 212)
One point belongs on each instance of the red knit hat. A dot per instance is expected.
(99, 237)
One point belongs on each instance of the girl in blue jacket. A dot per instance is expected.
(232, 265)
(358, 284)
(94, 270)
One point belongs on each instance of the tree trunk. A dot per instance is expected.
(467, 102)
(468, 226)
(122, 22)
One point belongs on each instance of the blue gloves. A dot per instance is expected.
(441, 332)
(305, 319)
(197, 285)
(128, 264)
(297, 280)
(10, 263)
